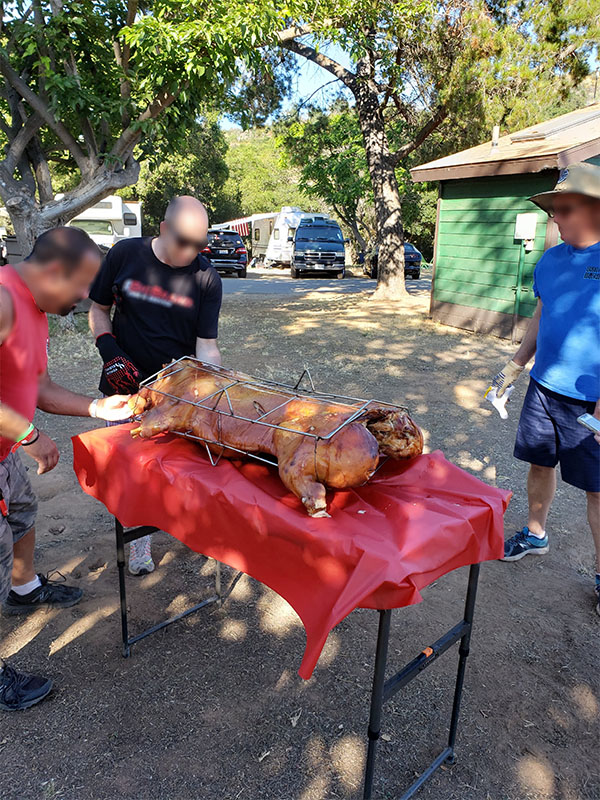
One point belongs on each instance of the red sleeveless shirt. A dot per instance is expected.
(23, 354)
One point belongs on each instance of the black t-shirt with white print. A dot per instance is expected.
(159, 310)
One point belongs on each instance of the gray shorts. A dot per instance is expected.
(21, 504)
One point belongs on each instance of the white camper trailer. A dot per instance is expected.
(110, 220)
(258, 228)
(107, 222)
(272, 234)
(261, 228)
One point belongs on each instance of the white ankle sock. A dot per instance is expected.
(537, 535)
(25, 588)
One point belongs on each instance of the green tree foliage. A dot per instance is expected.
(260, 90)
(98, 87)
(197, 168)
(416, 66)
(259, 181)
(327, 148)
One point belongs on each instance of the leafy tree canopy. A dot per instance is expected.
(97, 87)
(197, 168)
(259, 181)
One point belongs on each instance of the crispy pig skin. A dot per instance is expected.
(307, 465)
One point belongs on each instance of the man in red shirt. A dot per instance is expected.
(54, 278)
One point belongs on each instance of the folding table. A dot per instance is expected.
(413, 522)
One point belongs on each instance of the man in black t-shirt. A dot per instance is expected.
(167, 298)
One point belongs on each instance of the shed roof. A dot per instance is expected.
(553, 144)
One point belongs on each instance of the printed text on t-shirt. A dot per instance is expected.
(155, 294)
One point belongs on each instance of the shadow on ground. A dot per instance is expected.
(213, 707)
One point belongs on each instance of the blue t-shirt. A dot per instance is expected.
(567, 360)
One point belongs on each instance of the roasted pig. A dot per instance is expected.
(307, 464)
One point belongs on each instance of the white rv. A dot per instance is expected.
(110, 220)
(281, 244)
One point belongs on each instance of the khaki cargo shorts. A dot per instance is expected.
(21, 506)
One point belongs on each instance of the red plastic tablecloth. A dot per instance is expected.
(413, 522)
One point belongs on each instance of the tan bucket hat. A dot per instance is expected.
(582, 178)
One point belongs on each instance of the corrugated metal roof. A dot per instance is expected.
(555, 143)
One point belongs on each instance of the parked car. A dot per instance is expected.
(318, 246)
(227, 252)
(412, 262)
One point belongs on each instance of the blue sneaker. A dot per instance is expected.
(597, 590)
(523, 543)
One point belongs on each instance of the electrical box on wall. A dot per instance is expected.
(525, 225)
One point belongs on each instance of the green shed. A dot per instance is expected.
(483, 275)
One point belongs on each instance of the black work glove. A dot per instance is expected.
(119, 370)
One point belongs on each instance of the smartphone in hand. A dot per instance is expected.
(589, 422)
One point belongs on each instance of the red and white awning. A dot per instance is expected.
(242, 226)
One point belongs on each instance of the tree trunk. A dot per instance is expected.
(359, 242)
(388, 210)
(26, 220)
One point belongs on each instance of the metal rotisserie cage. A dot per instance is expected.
(357, 407)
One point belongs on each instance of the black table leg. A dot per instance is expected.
(463, 653)
(374, 729)
(123, 537)
(122, 590)
(384, 689)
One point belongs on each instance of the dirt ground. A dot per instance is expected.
(213, 707)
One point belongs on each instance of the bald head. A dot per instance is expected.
(184, 231)
(186, 205)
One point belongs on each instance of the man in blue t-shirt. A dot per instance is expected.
(564, 336)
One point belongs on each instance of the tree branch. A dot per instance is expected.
(429, 127)
(7, 184)
(13, 38)
(402, 108)
(296, 110)
(286, 40)
(86, 126)
(38, 106)
(70, 67)
(122, 56)
(132, 6)
(287, 34)
(393, 80)
(21, 140)
(26, 173)
(88, 192)
(39, 162)
(5, 128)
(128, 139)
(566, 52)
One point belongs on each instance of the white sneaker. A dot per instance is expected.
(140, 556)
